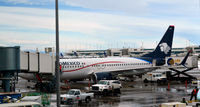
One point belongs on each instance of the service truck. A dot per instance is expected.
(107, 86)
(75, 95)
(154, 77)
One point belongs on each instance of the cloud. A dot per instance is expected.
(44, 19)
(181, 42)
(114, 5)
(28, 2)
(22, 18)
(27, 40)
(176, 8)
(19, 1)
(30, 42)
(132, 7)
(141, 7)
(89, 30)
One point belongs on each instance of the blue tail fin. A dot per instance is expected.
(185, 59)
(104, 53)
(75, 53)
(61, 55)
(164, 47)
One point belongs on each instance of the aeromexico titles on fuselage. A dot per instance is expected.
(71, 63)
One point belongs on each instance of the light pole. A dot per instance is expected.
(57, 56)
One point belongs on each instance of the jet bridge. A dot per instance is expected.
(37, 63)
(14, 61)
(9, 66)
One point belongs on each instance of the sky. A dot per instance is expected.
(98, 24)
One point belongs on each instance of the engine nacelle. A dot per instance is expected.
(102, 76)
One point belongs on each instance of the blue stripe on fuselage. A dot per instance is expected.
(142, 60)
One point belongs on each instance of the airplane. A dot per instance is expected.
(106, 68)
(110, 67)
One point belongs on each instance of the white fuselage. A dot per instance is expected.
(82, 68)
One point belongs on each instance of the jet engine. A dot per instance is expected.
(101, 76)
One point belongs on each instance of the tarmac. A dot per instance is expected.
(136, 94)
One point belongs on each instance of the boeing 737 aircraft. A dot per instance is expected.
(106, 68)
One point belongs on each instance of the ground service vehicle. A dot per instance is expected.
(154, 77)
(75, 95)
(107, 86)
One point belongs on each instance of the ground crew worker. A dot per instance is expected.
(194, 93)
(184, 101)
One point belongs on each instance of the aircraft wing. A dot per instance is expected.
(129, 72)
(138, 71)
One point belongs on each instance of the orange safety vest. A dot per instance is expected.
(194, 92)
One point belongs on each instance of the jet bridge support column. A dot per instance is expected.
(6, 81)
(9, 66)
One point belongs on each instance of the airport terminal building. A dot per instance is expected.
(129, 52)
